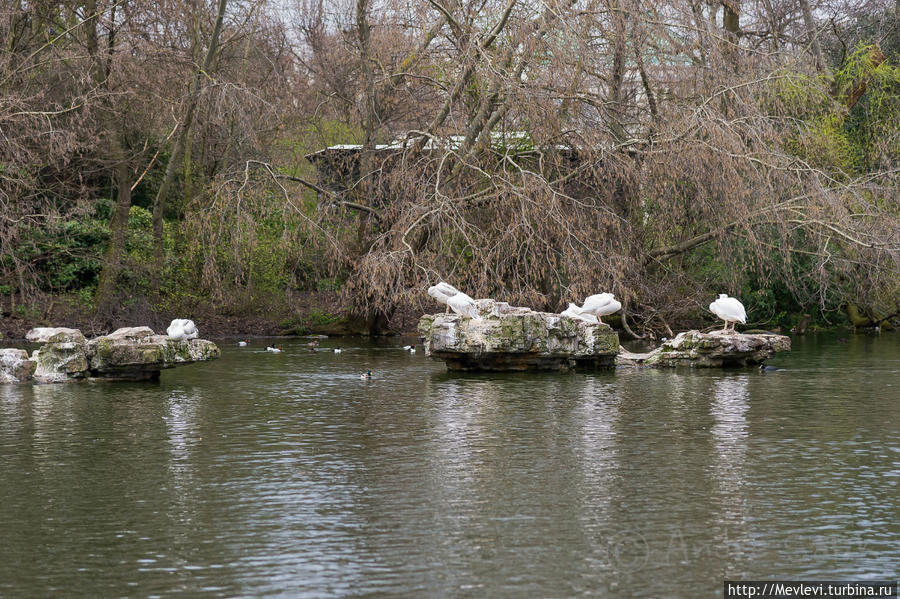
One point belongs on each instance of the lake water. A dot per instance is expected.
(286, 475)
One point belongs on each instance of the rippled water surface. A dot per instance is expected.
(267, 474)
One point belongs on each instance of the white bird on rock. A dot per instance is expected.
(577, 313)
(601, 305)
(442, 292)
(463, 305)
(730, 310)
(181, 328)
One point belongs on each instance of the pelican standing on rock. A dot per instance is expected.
(443, 292)
(463, 305)
(730, 310)
(601, 305)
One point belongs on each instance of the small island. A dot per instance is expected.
(127, 354)
(507, 338)
(717, 349)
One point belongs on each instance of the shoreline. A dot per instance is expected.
(302, 314)
(311, 313)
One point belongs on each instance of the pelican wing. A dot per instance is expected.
(447, 289)
(438, 294)
(600, 297)
(611, 307)
(601, 304)
(574, 311)
(176, 329)
(463, 305)
(190, 330)
(729, 309)
(734, 309)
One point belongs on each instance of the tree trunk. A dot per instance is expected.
(365, 185)
(814, 45)
(162, 195)
(117, 154)
(118, 228)
(617, 77)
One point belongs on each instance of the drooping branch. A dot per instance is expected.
(333, 198)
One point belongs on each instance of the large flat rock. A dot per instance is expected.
(507, 338)
(717, 349)
(128, 354)
(136, 353)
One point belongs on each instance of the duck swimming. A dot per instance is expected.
(273, 349)
(366, 376)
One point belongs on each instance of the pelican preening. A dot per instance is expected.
(730, 310)
(577, 313)
(181, 328)
(594, 308)
(601, 305)
(455, 299)
(442, 292)
(463, 305)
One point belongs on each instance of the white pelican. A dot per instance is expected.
(442, 292)
(730, 310)
(577, 313)
(181, 328)
(601, 305)
(190, 330)
(463, 305)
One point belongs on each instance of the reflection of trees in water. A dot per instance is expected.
(182, 436)
(731, 400)
(728, 466)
